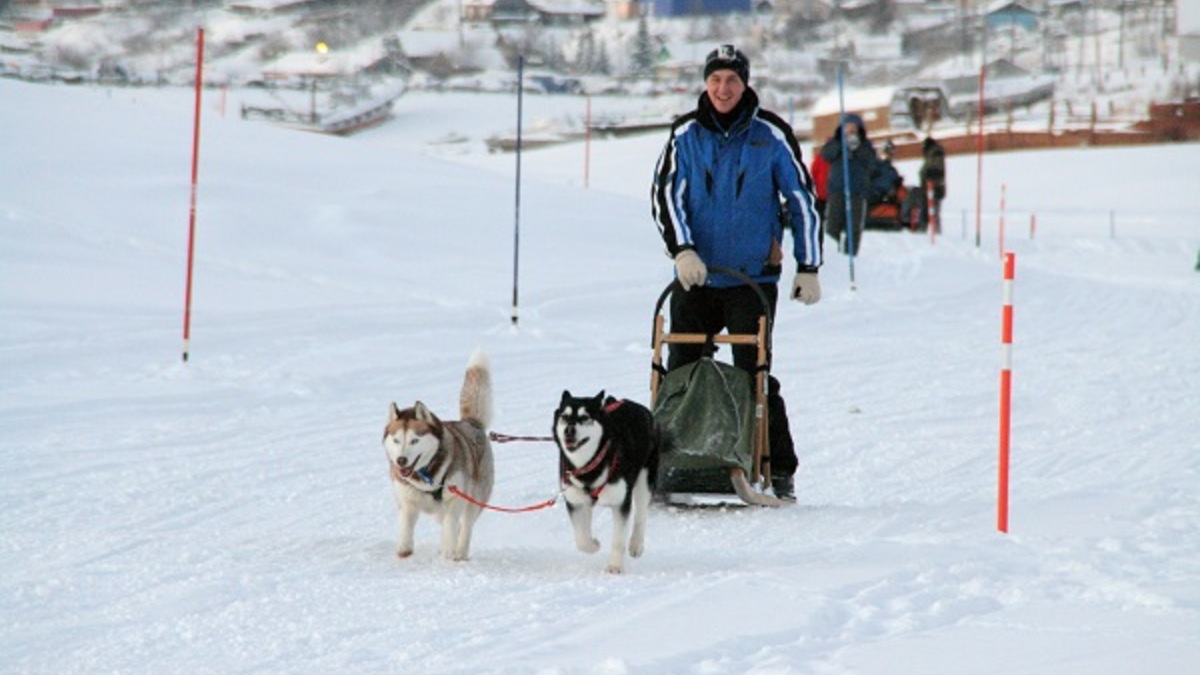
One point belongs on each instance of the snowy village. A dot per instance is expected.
(1054, 72)
(348, 336)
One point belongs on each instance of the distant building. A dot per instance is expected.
(476, 11)
(861, 9)
(677, 8)
(267, 7)
(625, 9)
(546, 12)
(872, 105)
(76, 11)
(1009, 15)
(942, 39)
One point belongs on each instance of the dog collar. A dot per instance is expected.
(425, 484)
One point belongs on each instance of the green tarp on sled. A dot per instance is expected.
(707, 407)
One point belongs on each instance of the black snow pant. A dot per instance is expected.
(835, 221)
(710, 310)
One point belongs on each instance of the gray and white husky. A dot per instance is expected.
(608, 456)
(434, 463)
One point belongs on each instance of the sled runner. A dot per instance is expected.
(715, 413)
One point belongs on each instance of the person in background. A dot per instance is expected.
(728, 169)
(887, 184)
(932, 174)
(863, 166)
(820, 177)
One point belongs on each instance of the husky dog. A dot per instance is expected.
(433, 462)
(608, 456)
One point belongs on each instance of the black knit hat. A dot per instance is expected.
(728, 57)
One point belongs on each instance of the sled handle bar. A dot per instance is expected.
(728, 271)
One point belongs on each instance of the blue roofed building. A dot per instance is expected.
(1003, 15)
(676, 8)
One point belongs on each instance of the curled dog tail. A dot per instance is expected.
(475, 401)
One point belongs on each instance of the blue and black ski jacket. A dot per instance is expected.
(728, 193)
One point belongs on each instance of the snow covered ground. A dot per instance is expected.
(233, 514)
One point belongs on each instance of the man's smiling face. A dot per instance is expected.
(725, 89)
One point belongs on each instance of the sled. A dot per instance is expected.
(886, 215)
(715, 414)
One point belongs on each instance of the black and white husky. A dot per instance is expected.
(444, 468)
(608, 456)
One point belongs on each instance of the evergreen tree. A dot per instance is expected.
(643, 51)
(602, 65)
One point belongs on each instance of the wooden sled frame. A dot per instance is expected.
(743, 486)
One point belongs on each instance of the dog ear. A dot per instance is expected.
(566, 398)
(393, 413)
(600, 398)
(422, 413)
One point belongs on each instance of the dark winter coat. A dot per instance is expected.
(863, 163)
(719, 191)
(933, 170)
(887, 182)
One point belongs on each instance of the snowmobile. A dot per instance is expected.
(715, 413)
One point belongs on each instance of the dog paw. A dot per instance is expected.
(589, 546)
(403, 553)
(615, 569)
(636, 548)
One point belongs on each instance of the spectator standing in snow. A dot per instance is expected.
(863, 166)
(716, 198)
(933, 173)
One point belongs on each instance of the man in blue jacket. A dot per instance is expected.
(731, 174)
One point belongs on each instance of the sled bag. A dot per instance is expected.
(707, 408)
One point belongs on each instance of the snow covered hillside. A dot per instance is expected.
(233, 514)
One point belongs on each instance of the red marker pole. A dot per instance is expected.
(931, 216)
(187, 302)
(1005, 391)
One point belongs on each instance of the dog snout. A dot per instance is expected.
(401, 462)
(569, 434)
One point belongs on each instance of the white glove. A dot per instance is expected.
(690, 269)
(806, 288)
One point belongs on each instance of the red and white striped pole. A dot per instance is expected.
(931, 212)
(187, 302)
(1005, 391)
